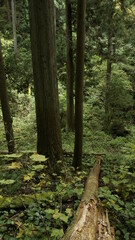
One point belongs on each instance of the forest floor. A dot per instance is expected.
(35, 205)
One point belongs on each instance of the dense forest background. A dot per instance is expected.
(108, 96)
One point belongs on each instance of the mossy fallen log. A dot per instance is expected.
(84, 224)
(22, 201)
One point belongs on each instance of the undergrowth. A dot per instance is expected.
(53, 200)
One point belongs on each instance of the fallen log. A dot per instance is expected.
(84, 225)
(104, 231)
(90, 222)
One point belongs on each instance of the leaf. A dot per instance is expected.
(49, 211)
(38, 158)
(61, 216)
(56, 214)
(57, 233)
(29, 176)
(13, 155)
(64, 218)
(37, 167)
(69, 212)
(15, 165)
(20, 233)
(6, 182)
(1, 197)
(18, 223)
(106, 180)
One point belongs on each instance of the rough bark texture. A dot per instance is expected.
(14, 26)
(84, 225)
(45, 84)
(70, 67)
(81, 10)
(5, 107)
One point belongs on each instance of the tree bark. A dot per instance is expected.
(14, 26)
(84, 224)
(81, 11)
(8, 10)
(5, 107)
(43, 47)
(70, 67)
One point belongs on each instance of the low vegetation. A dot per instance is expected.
(35, 205)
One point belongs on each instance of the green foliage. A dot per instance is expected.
(62, 105)
(19, 72)
(120, 95)
(24, 120)
(6, 182)
(118, 190)
(51, 201)
(46, 213)
(50, 217)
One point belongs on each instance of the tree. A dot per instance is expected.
(81, 10)
(70, 67)
(14, 26)
(5, 107)
(8, 10)
(113, 32)
(43, 47)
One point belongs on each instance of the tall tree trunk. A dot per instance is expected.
(14, 26)
(8, 10)
(43, 46)
(108, 86)
(5, 107)
(81, 11)
(70, 67)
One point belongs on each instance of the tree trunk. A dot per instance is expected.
(14, 26)
(81, 10)
(70, 67)
(108, 86)
(84, 225)
(8, 10)
(5, 107)
(45, 84)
